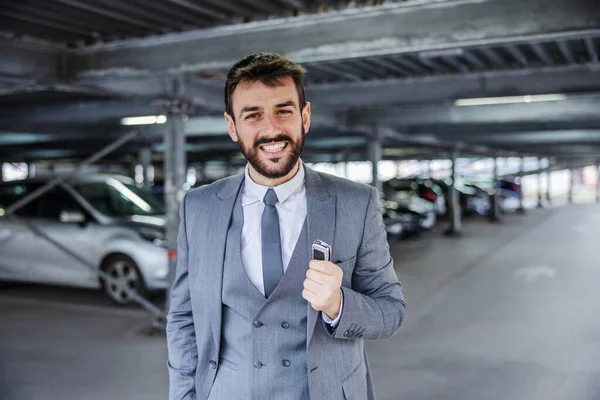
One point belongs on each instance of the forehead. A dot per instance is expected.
(257, 93)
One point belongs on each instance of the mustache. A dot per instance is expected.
(278, 138)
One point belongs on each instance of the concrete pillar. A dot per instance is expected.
(548, 179)
(346, 162)
(521, 208)
(571, 184)
(539, 184)
(375, 157)
(494, 212)
(455, 227)
(175, 165)
(598, 181)
(145, 160)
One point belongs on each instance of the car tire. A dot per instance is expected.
(122, 268)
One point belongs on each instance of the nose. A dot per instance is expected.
(272, 127)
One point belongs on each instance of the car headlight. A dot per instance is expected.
(157, 237)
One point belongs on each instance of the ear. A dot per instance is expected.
(306, 117)
(231, 127)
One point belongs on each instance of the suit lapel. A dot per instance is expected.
(320, 224)
(219, 219)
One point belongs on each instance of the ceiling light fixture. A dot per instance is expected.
(146, 120)
(486, 101)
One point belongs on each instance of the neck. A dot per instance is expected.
(264, 181)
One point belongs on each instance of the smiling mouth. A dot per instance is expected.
(273, 147)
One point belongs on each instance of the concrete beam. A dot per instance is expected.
(573, 109)
(447, 88)
(29, 62)
(389, 29)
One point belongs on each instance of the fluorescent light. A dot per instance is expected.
(146, 120)
(485, 101)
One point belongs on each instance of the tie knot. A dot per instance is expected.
(270, 198)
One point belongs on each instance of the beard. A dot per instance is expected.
(279, 167)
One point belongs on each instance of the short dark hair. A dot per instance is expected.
(268, 68)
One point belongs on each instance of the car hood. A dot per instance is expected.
(408, 203)
(155, 221)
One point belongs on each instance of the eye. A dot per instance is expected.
(285, 111)
(252, 116)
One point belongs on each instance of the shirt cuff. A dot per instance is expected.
(334, 322)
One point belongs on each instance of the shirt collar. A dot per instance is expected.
(254, 192)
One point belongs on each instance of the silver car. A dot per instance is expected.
(105, 219)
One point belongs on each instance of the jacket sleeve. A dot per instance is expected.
(374, 308)
(181, 339)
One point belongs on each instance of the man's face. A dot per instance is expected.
(269, 126)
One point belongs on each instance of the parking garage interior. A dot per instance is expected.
(477, 121)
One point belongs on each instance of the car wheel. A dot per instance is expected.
(126, 272)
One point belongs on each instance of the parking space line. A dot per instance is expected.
(72, 307)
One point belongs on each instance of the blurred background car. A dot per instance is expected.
(423, 188)
(405, 213)
(105, 219)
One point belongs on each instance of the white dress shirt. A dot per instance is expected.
(291, 209)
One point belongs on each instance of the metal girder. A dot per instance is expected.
(494, 57)
(567, 79)
(560, 137)
(106, 13)
(589, 45)
(388, 29)
(542, 54)
(194, 7)
(517, 54)
(32, 61)
(582, 109)
(566, 51)
(78, 112)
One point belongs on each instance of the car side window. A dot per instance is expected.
(56, 200)
(11, 193)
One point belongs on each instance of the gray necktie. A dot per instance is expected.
(271, 244)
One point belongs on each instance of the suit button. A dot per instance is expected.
(285, 363)
(285, 325)
(258, 365)
(212, 364)
(347, 334)
(258, 324)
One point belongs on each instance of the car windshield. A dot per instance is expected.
(117, 199)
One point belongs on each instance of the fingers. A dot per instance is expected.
(313, 286)
(325, 267)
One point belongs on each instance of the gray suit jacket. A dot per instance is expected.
(342, 213)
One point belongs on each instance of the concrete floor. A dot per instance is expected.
(506, 311)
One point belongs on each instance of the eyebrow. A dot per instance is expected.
(258, 108)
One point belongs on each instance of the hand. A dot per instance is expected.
(322, 287)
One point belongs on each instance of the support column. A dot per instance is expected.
(539, 184)
(571, 183)
(145, 159)
(548, 179)
(175, 165)
(455, 227)
(598, 181)
(346, 161)
(375, 157)
(494, 212)
(521, 209)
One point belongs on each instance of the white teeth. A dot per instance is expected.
(273, 148)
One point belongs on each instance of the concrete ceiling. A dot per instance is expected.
(397, 68)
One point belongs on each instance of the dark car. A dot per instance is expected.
(472, 198)
(424, 188)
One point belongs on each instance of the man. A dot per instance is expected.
(251, 316)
